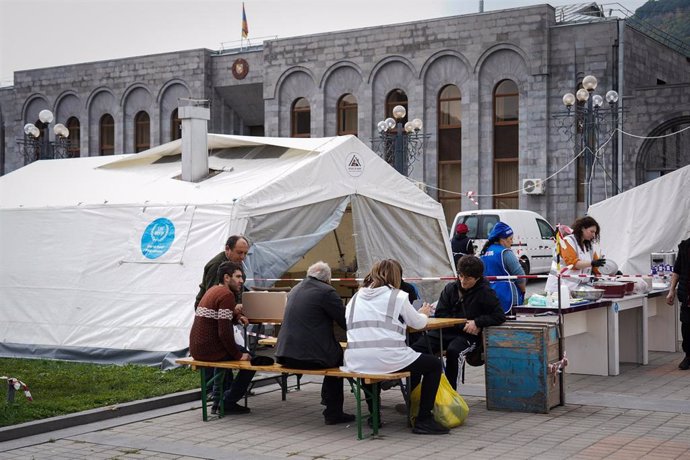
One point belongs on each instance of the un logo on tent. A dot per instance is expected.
(354, 165)
(157, 238)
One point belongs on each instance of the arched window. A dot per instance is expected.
(142, 132)
(449, 150)
(396, 97)
(506, 145)
(74, 150)
(175, 126)
(106, 135)
(301, 118)
(347, 115)
(667, 153)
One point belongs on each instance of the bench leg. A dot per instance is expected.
(283, 386)
(358, 388)
(204, 392)
(358, 398)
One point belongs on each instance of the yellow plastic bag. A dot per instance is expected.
(450, 410)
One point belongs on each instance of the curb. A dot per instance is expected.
(96, 415)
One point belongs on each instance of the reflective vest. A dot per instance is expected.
(506, 290)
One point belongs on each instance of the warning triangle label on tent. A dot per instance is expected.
(354, 165)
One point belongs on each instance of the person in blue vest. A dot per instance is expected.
(500, 260)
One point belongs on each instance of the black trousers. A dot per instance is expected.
(685, 326)
(331, 389)
(453, 347)
(426, 368)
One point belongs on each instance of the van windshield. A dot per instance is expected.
(480, 225)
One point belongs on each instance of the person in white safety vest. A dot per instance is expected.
(377, 317)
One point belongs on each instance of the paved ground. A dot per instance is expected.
(642, 413)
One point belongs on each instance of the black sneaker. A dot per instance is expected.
(214, 409)
(342, 418)
(234, 408)
(429, 426)
(388, 384)
(685, 364)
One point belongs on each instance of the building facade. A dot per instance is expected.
(488, 88)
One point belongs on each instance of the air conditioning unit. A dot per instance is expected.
(532, 187)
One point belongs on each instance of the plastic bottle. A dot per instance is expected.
(565, 296)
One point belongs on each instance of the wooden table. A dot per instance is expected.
(438, 323)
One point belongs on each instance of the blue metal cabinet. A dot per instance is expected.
(517, 369)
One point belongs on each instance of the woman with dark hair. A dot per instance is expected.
(500, 260)
(377, 317)
(574, 255)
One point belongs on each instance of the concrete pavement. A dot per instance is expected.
(642, 413)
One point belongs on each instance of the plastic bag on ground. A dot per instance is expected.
(450, 409)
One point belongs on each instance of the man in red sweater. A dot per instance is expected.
(212, 337)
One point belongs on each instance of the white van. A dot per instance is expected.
(533, 236)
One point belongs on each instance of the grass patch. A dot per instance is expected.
(64, 387)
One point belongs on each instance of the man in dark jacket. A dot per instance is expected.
(681, 279)
(460, 243)
(306, 339)
(469, 297)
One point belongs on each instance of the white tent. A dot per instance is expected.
(652, 217)
(101, 257)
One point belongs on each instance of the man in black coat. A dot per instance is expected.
(306, 339)
(469, 297)
(681, 280)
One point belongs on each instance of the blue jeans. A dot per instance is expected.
(234, 387)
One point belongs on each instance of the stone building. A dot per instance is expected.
(488, 88)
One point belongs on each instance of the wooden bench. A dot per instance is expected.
(355, 379)
(273, 341)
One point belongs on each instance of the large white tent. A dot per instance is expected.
(652, 217)
(101, 257)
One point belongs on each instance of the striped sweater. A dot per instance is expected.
(212, 336)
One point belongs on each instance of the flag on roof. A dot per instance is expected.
(245, 27)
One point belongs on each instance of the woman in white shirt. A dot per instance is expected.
(377, 317)
(575, 256)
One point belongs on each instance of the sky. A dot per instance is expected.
(45, 33)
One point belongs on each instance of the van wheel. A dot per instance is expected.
(525, 265)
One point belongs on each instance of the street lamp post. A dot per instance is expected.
(398, 144)
(36, 146)
(593, 118)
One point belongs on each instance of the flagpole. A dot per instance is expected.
(245, 28)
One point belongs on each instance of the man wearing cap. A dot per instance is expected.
(212, 337)
(306, 339)
(500, 260)
(681, 280)
(460, 243)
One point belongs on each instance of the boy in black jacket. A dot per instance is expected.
(469, 297)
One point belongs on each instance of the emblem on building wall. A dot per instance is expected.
(240, 68)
